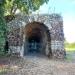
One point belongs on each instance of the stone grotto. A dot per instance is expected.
(37, 33)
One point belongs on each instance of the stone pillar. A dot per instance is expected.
(22, 51)
(47, 50)
(24, 45)
(58, 49)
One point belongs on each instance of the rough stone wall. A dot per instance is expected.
(55, 24)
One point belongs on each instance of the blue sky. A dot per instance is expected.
(67, 9)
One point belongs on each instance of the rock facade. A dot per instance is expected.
(54, 22)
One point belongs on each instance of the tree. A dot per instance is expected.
(25, 6)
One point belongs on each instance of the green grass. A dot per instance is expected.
(70, 46)
(3, 71)
(69, 56)
(70, 49)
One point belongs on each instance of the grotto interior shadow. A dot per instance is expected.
(36, 38)
(34, 45)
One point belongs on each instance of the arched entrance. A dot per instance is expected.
(37, 39)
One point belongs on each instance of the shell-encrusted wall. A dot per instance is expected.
(54, 22)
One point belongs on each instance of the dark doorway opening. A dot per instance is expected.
(36, 38)
(34, 44)
(34, 41)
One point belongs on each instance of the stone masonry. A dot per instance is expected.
(54, 22)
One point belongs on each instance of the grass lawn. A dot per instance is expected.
(69, 46)
(70, 49)
(70, 53)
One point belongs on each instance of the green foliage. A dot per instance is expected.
(2, 30)
(25, 6)
(70, 46)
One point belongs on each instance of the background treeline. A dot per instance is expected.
(70, 46)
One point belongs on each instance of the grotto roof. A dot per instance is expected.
(22, 20)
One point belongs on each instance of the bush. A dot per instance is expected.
(2, 30)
